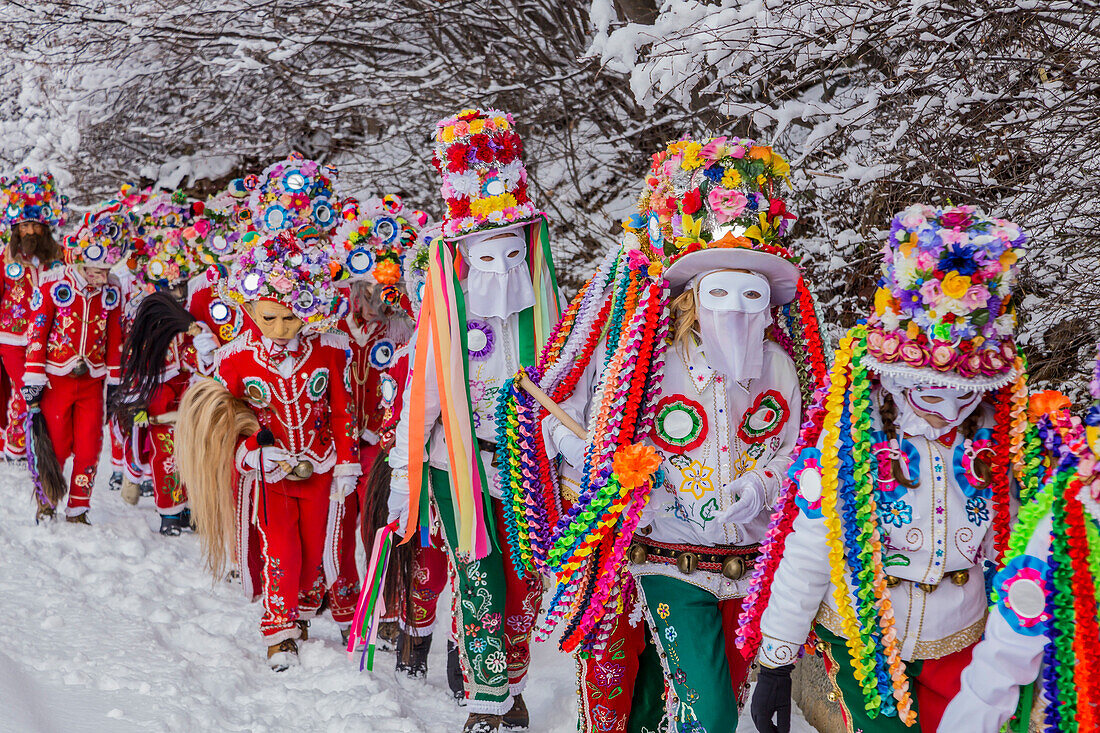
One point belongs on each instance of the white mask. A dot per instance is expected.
(497, 285)
(733, 314)
(950, 404)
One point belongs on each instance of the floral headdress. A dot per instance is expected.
(161, 253)
(32, 197)
(107, 235)
(701, 200)
(290, 268)
(216, 235)
(414, 266)
(943, 310)
(372, 240)
(480, 157)
(293, 193)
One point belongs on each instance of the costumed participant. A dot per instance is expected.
(372, 243)
(33, 211)
(1039, 660)
(73, 347)
(688, 355)
(490, 300)
(900, 494)
(301, 462)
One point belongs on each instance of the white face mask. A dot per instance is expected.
(733, 311)
(497, 254)
(496, 284)
(950, 404)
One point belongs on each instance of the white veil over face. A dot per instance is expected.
(733, 308)
(497, 284)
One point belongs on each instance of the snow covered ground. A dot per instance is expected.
(113, 628)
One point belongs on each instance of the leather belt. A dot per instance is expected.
(957, 577)
(732, 562)
(489, 447)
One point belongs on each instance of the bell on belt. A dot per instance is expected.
(733, 567)
(636, 554)
(960, 577)
(304, 469)
(80, 369)
(687, 562)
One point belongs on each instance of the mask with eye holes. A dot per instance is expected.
(920, 405)
(498, 283)
(733, 308)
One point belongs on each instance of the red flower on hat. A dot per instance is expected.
(520, 194)
(777, 208)
(456, 158)
(458, 208)
(692, 201)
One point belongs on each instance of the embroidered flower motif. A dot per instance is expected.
(662, 610)
(977, 512)
(697, 480)
(477, 646)
(897, 513)
(671, 634)
(496, 662)
(491, 622)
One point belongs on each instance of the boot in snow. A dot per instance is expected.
(42, 511)
(146, 488)
(115, 482)
(171, 525)
(388, 631)
(454, 671)
(345, 634)
(283, 656)
(412, 655)
(131, 492)
(304, 626)
(517, 718)
(81, 518)
(482, 723)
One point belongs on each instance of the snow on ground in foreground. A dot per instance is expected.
(113, 628)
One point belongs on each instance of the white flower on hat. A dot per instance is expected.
(465, 184)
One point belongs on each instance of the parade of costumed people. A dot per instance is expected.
(602, 366)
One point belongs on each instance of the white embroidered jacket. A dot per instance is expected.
(941, 526)
(493, 359)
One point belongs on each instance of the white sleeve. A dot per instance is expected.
(399, 454)
(576, 405)
(774, 474)
(1003, 661)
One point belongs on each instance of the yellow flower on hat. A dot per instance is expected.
(759, 232)
(1008, 258)
(955, 285)
(884, 301)
(731, 179)
(477, 126)
(692, 230)
(691, 156)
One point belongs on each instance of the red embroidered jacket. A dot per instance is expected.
(301, 397)
(223, 319)
(73, 323)
(375, 389)
(17, 285)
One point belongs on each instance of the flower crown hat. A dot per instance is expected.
(373, 238)
(32, 197)
(414, 266)
(107, 235)
(291, 268)
(715, 204)
(943, 309)
(161, 255)
(480, 158)
(293, 193)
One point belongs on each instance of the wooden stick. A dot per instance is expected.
(552, 407)
(168, 418)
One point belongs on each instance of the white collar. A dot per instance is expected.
(291, 345)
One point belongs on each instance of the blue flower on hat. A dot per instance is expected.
(959, 258)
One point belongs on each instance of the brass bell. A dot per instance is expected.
(303, 470)
(927, 587)
(80, 369)
(960, 577)
(733, 567)
(892, 582)
(636, 554)
(687, 562)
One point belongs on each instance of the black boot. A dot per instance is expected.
(517, 718)
(482, 723)
(146, 488)
(454, 671)
(115, 482)
(412, 655)
(172, 524)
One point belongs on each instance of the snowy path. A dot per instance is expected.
(113, 628)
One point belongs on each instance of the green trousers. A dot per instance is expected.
(498, 610)
(695, 632)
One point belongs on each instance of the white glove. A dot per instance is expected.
(271, 457)
(749, 491)
(205, 343)
(572, 448)
(343, 487)
(398, 504)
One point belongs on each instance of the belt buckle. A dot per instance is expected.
(80, 369)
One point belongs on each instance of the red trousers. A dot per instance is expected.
(73, 408)
(344, 593)
(14, 439)
(168, 490)
(118, 451)
(293, 534)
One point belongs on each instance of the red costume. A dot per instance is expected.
(203, 302)
(299, 393)
(17, 284)
(73, 345)
(168, 491)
